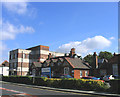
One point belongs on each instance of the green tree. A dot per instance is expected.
(105, 55)
(89, 59)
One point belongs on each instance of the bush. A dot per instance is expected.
(80, 84)
(115, 86)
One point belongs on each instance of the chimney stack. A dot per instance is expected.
(72, 52)
(95, 60)
(114, 54)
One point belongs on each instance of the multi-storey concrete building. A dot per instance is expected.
(21, 59)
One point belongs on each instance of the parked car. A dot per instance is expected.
(91, 77)
(108, 77)
(116, 76)
(66, 76)
(44, 76)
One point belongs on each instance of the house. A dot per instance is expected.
(20, 60)
(102, 67)
(4, 68)
(67, 65)
(35, 69)
(114, 65)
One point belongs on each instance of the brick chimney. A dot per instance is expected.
(95, 60)
(49, 56)
(72, 52)
(114, 54)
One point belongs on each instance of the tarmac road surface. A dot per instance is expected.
(14, 90)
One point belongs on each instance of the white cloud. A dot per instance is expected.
(9, 31)
(86, 46)
(112, 38)
(17, 7)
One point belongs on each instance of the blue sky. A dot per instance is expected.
(87, 26)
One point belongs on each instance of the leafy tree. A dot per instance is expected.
(102, 55)
(105, 55)
(89, 58)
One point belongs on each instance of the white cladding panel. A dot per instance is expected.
(57, 54)
(24, 60)
(42, 60)
(44, 52)
(4, 71)
(24, 51)
(23, 69)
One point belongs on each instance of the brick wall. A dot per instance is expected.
(77, 74)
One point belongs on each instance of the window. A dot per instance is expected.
(11, 56)
(15, 65)
(115, 69)
(66, 70)
(15, 56)
(80, 73)
(28, 56)
(86, 73)
(10, 65)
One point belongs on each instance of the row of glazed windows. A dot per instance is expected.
(14, 56)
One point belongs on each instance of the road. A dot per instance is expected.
(17, 90)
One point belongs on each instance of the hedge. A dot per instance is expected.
(115, 86)
(80, 84)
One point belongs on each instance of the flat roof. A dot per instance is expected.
(37, 46)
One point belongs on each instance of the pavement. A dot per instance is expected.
(67, 90)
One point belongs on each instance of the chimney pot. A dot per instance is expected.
(95, 54)
(72, 52)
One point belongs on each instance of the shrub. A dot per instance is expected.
(115, 86)
(80, 84)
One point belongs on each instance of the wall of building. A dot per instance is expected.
(4, 71)
(77, 73)
(25, 57)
